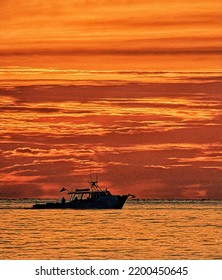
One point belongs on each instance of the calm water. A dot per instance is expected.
(141, 230)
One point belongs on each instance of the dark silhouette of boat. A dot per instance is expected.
(89, 198)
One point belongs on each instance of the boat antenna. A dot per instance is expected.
(93, 182)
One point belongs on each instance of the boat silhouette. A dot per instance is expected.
(88, 198)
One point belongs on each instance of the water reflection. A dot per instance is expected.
(139, 231)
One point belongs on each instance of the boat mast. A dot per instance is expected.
(94, 182)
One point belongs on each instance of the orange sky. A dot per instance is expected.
(163, 35)
(128, 89)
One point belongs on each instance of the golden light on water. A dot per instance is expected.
(163, 231)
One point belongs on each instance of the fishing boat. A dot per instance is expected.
(88, 198)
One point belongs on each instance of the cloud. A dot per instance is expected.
(157, 166)
(112, 52)
(153, 133)
(27, 150)
(80, 33)
(28, 109)
(154, 139)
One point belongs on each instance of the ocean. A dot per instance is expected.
(142, 230)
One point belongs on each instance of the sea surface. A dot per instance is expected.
(142, 230)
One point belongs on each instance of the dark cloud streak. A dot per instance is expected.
(112, 52)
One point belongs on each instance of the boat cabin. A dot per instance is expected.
(86, 194)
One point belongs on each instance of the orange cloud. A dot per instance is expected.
(130, 89)
(160, 137)
(121, 34)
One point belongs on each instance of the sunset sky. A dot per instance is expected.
(130, 90)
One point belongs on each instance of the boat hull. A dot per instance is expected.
(106, 202)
